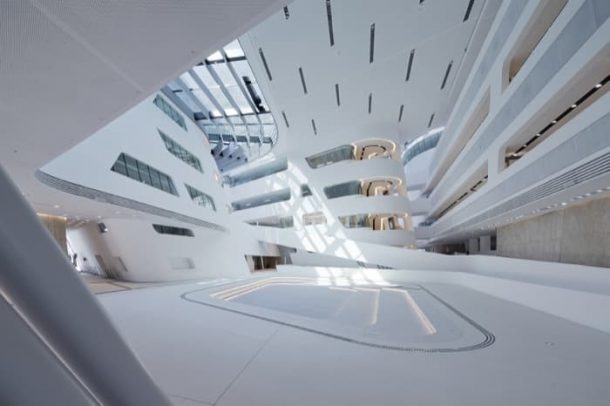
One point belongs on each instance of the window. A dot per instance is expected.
(261, 200)
(274, 221)
(342, 153)
(256, 173)
(200, 198)
(305, 191)
(185, 232)
(179, 152)
(170, 111)
(310, 219)
(343, 189)
(134, 169)
(420, 145)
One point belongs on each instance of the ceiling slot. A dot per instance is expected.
(337, 94)
(446, 75)
(286, 13)
(303, 80)
(313, 125)
(410, 64)
(370, 102)
(372, 44)
(260, 52)
(431, 120)
(402, 108)
(329, 17)
(468, 10)
(285, 119)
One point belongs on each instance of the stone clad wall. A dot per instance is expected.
(579, 235)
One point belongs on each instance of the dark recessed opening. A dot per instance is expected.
(303, 80)
(329, 17)
(410, 64)
(446, 75)
(260, 52)
(372, 44)
(337, 94)
(468, 10)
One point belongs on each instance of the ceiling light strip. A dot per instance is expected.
(410, 64)
(372, 44)
(468, 10)
(446, 75)
(337, 94)
(329, 17)
(264, 60)
(303, 80)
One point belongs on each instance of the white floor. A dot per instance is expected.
(201, 355)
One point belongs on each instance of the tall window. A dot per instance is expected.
(200, 198)
(138, 170)
(170, 111)
(179, 152)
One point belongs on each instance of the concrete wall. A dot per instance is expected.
(578, 235)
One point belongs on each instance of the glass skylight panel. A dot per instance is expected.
(206, 78)
(216, 56)
(186, 99)
(233, 50)
(230, 111)
(223, 95)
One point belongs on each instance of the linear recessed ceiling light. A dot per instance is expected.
(285, 119)
(337, 94)
(303, 80)
(431, 120)
(329, 17)
(372, 44)
(370, 102)
(260, 52)
(410, 64)
(313, 126)
(468, 10)
(402, 107)
(446, 75)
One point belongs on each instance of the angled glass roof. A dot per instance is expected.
(222, 96)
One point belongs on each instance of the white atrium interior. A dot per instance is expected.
(308, 202)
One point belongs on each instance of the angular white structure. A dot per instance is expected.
(316, 192)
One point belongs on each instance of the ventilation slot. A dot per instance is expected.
(303, 80)
(409, 65)
(337, 94)
(313, 126)
(402, 108)
(260, 52)
(468, 10)
(329, 17)
(370, 102)
(447, 72)
(286, 13)
(285, 119)
(431, 120)
(372, 44)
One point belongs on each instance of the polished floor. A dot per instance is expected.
(210, 355)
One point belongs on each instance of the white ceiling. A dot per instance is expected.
(435, 29)
(68, 67)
